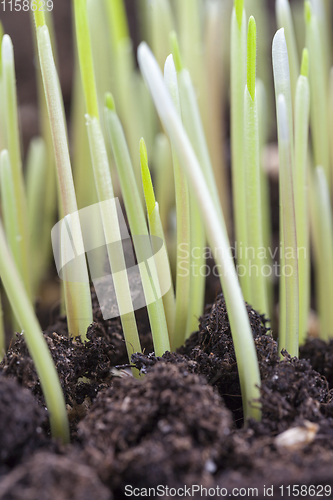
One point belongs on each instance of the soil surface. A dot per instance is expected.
(180, 423)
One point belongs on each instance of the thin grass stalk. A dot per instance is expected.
(77, 294)
(193, 126)
(239, 321)
(163, 169)
(162, 23)
(124, 85)
(51, 200)
(282, 86)
(254, 243)
(284, 20)
(138, 226)
(103, 182)
(324, 253)
(112, 233)
(330, 102)
(156, 229)
(36, 176)
(2, 333)
(13, 146)
(318, 78)
(216, 23)
(36, 343)
(2, 110)
(287, 202)
(265, 191)
(183, 273)
(302, 110)
(237, 85)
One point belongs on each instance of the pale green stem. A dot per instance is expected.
(162, 24)
(138, 226)
(112, 233)
(217, 22)
(255, 242)
(156, 230)
(35, 180)
(287, 203)
(79, 292)
(13, 146)
(238, 80)
(35, 341)
(283, 86)
(240, 327)
(324, 254)
(284, 20)
(265, 190)
(2, 333)
(194, 129)
(318, 78)
(302, 107)
(165, 191)
(183, 274)
(331, 110)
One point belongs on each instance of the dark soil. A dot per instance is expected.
(180, 423)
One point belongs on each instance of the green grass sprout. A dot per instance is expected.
(36, 343)
(85, 56)
(237, 85)
(183, 275)
(283, 86)
(254, 242)
(14, 150)
(156, 229)
(287, 202)
(323, 232)
(318, 78)
(239, 321)
(35, 181)
(104, 187)
(302, 109)
(284, 20)
(138, 225)
(77, 295)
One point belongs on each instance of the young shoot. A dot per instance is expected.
(302, 108)
(77, 295)
(239, 321)
(36, 343)
(14, 150)
(237, 85)
(156, 230)
(104, 186)
(287, 203)
(138, 227)
(254, 241)
(323, 233)
(183, 282)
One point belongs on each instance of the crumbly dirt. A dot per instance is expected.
(181, 421)
(47, 476)
(21, 420)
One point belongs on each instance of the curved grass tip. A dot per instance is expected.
(176, 52)
(7, 51)
(239, 7)
(307, 11)
(146, 178)
(305, 63)
(109, 101)
(251, 56)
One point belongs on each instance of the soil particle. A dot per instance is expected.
(21, 419)
(162, 429)
(47, 476)
(320, 355)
